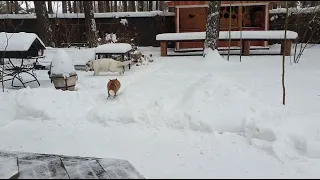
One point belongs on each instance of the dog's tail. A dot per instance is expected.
(111, 92)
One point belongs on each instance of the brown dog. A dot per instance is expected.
(113, 87)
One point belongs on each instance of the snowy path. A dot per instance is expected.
(176, 118)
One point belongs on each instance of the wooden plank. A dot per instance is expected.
(164, 48)
(119, 169)
(8, 168)
(84, 169)
(38, 167)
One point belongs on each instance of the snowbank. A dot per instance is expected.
(62, 64)
(96, 15)
(225, 35)
(79, 56)
(113, 48)
(17, 41)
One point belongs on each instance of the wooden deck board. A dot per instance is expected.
(48, 166)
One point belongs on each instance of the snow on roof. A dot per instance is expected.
(96, 15)
(296, 10)
(114, 48)
(225, 35)
(17, 41)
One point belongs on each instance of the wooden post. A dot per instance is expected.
(240, 23)
(246, 47)
(286, 47)
(164, 48)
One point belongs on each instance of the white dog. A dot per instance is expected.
(105, 65)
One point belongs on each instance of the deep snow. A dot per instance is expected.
(179, 117)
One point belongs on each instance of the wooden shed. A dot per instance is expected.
(191, 17)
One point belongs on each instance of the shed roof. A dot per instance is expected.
(193, 3)
(19, 41)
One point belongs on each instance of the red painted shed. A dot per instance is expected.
(245, 15)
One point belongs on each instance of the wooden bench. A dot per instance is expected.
(247, 37)
(110, 49)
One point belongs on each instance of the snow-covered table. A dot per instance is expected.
(17, 165)
(23, 48)
(245, 36)
(110, 49)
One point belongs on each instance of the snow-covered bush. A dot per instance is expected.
(62, 64)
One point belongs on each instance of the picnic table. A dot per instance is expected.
(245, 36)
(111, 49)
(19, 54)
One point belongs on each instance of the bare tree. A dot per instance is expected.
(284, 57)
(140, 5)
(125, 6)
(9, 7)
(16, 7)
(64, 7)
(100, 6)
(75, 9)
(132, 6)
(50, 10)
(161, 5)
(107, 4)
(150, 5)
(90, 23)
(309, 27)
(212, 25)
(43, 22)
(27, 6)
(115, 6)
(81, 10)
(69, 6)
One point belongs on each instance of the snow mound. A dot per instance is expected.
(62, 64)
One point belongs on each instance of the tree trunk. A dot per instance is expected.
(212, 25)
(94, 6)
(132, 6)
(284, 57)
(80, 7)
(69, 7)
(157, 5)
(161, 5)
(125, 6)
(90, 23)
(100, 6)
(50, 10)
(115, 6)
(9, 7)
(64, 7)
(27, 6)
(108, 6)
(140, 5)
(43, 23)
(75, 6)
(150, 5)
(16, 7)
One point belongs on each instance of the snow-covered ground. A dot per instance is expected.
(179, 117)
